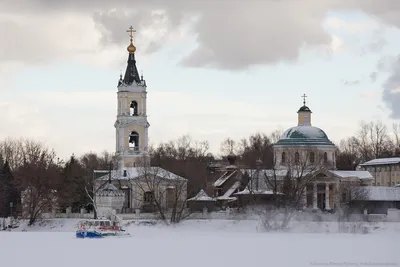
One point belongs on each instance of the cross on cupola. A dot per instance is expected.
(304, 99)
(131, 74)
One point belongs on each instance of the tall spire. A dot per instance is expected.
(131, 73)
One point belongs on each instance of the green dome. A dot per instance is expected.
(304, 109)
(305, 135)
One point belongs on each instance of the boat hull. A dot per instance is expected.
(88, 234)
(100, 234)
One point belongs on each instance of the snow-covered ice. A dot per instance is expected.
(199, 244)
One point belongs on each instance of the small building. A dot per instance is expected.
(143, 187)
(231, 180)
(375, 199)
(386, 171)
(201, 201)
(108, 200)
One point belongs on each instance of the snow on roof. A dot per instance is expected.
(280, 173)
(257, 192)
(304, 131)
(376, 193)
(109, 187)
(109, 190)
(221, 180)
(201, 196)
(135, 172)
(353, 174)
(382, 161)
(230, 191)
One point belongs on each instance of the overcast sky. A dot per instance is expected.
(213, 68)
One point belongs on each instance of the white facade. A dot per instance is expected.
(108, 200)
(139, 186)
(131, 125)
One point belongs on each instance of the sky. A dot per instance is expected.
(214, 69)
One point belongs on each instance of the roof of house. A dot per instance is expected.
(353, 174)
(282, 172)
(201, 196)
(304, 135)
(224, 177)
(376, 193)
(382, 161)
(136, 172)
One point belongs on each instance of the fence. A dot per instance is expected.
(392, 216)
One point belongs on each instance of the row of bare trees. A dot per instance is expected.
(32, 178)
(372, 140)
(27, 164)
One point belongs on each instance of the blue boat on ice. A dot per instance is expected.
(99, 229)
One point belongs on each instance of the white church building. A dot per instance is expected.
(134, 185)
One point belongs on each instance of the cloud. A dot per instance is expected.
(356, 26)
(369, 94)
(391, 90)
(355, 82)
(229, 34)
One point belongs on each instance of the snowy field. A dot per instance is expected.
(200, 244)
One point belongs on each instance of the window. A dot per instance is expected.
(296, 157)
(325, 157)
(312, 157)
(134, 141)
(283, 160)
(148, 197)
(133, 110)
(306, 120)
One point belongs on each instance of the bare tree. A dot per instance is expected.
(396, 138)
(91, 162)
(228, 146)
(10, 149)
(373, 140)
(288, 185)
(349, 156)
(37, 179)
(275, 136)
(161, 191)
(185, 157)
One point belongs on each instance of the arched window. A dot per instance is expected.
(312, 157)
(133, 111)
(134, 141)
(325, 157)
(283, 159)
(296, 157)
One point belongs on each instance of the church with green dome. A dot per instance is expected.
(305, 149)
(305, 143)
(305, 155)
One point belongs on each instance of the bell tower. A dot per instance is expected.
(131, 125)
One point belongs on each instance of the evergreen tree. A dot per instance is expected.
(1, 162)
(8, 191)
(71, 190)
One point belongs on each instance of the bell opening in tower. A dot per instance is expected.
(133, 108)
(134, 141)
